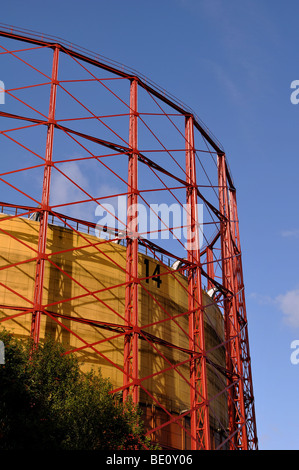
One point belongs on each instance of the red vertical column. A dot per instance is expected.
(199, 405)
(210, 267)
(244, 339)
(131, 301)
(44, 209)
(235, 389)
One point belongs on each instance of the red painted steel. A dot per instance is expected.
(204, 177)
(44, 209)
(131, 314)
(247, 388)
(199, 404)
(240, 395)
(210, 268)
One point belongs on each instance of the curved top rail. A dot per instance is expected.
(120, 69)
(27, 35)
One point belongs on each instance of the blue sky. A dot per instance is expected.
(233, 63)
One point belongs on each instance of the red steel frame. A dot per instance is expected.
(198, 370)
(131, 312)
(44, 210)
(197, 264)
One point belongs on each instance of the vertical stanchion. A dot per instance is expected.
(199, 404)
(249, 408)
(131, 300)
(210, 268)
(235, 389)
(44, 208)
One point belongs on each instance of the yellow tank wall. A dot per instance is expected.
(91, 265)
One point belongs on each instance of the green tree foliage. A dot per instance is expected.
(46, 402)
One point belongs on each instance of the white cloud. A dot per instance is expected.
(64, 191)
(229, 83)
(213, 8)
(288, 303)
(262, 299)
(290, 233)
